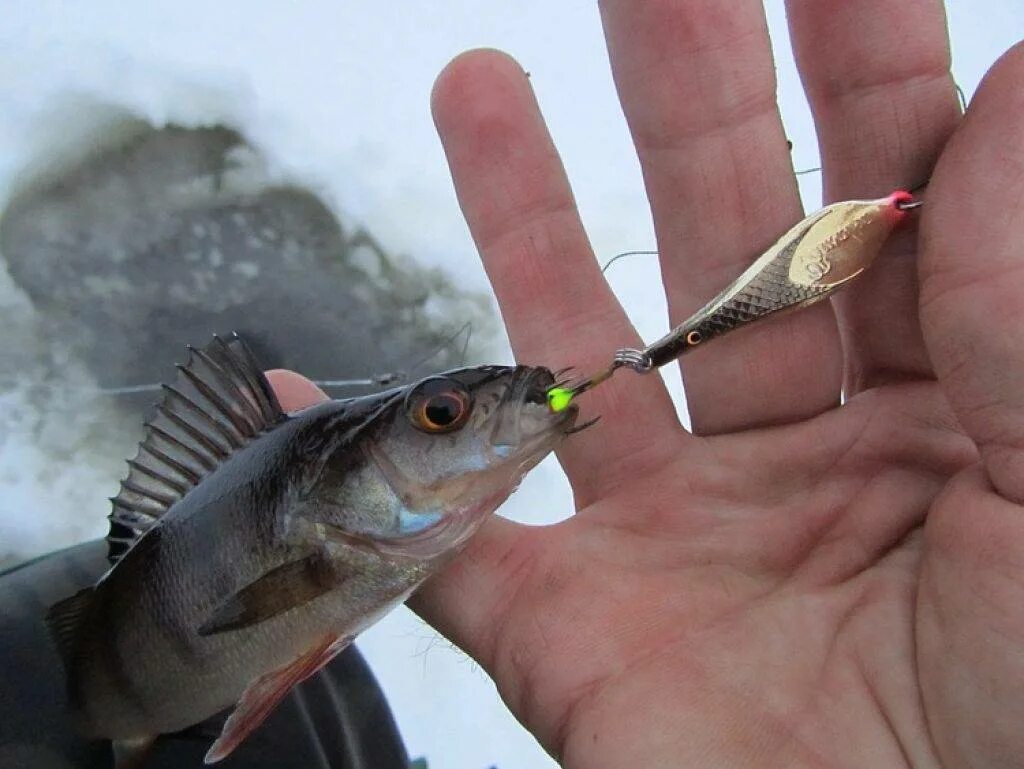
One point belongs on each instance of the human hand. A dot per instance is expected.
(797, 583)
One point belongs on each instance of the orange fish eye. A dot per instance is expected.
(438, 405)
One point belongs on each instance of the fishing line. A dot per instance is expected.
(616, 258)
(961, 97)
(394, 377)
(385, 379)
(466, 328)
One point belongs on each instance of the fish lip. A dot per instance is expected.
(528, 387)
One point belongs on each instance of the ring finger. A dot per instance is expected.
(877, 77)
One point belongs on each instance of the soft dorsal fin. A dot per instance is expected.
(219, 403)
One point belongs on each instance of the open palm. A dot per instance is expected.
(796, 583)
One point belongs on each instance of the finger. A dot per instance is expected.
(697, 83)
(972, 273)
(556, 304)
(877, 77)
(970, 624)
(293, 390)
(467, 600)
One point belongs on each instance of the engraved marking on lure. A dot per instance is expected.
(818, 265)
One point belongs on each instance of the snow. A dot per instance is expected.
(336, 95)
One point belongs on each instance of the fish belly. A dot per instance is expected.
(152, 677)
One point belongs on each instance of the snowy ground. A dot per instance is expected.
(336, 94)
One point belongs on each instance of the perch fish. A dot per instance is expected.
(249, 546)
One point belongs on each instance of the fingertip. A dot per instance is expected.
(500, 153)
(977, 171)
(1004, 77)
(998, 101)
(475, 81)
(293, 390)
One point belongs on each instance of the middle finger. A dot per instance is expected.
(697, 84)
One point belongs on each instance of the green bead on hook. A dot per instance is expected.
(559, 398)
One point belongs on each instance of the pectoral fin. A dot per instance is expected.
(263, 694)
(292, 584)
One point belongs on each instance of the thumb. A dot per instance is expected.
(293, 390)
(972, 273)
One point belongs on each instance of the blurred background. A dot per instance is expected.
(171, 170)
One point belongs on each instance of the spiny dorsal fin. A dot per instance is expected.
(219, 403)
(64, 619)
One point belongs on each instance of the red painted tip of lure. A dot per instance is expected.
(903, 201)
(899, 197)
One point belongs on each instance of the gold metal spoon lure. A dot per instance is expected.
(819, 255)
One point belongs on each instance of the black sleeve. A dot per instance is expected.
(337, 719)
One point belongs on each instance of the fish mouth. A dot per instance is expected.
(529, 384)
(524, 423)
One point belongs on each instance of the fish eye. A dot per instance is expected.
(438, 405)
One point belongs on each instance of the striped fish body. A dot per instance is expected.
(249, 546)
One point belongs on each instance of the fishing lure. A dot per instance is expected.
(818, 256)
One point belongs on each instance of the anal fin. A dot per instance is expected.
(129, 754)
(263, 694)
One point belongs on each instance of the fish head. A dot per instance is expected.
(450, 449)
(485, 419)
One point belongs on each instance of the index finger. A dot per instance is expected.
(555, 302)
